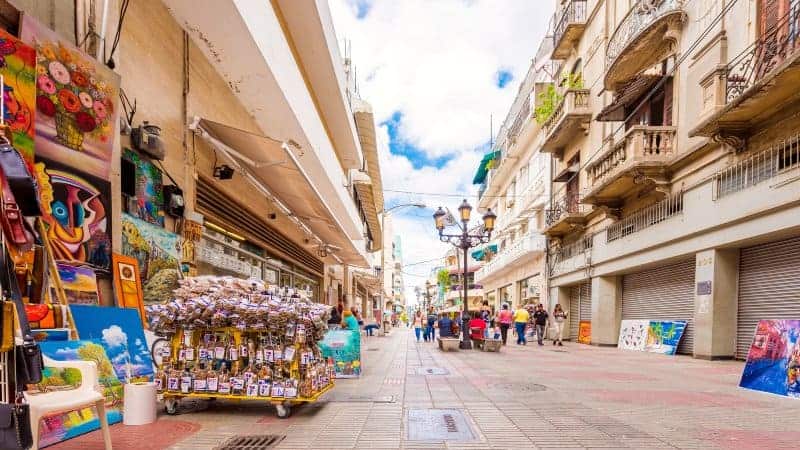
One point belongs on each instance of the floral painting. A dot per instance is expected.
(18, 67)
(75, 210)
(76, 103)
(120, 332)
(60, 427)
(149, 196)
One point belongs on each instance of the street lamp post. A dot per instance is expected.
(465, 241)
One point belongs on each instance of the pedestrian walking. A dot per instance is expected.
(559, 317)
(431, 324)
(521, 317)
(505, 318)
(418, 324)
(540, 318)
(486, 316)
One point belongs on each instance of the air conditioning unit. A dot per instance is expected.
(146, 138)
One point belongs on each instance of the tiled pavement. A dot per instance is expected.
(575, 396)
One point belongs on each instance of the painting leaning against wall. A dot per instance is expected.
(158, 253)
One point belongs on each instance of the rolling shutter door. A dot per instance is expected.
(580, 307)
(663, 293)
(769, 287)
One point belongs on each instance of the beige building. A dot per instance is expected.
(674, 135)
(515, 184)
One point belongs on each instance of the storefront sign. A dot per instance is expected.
(704, 288)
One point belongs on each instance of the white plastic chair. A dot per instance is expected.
(86, 395)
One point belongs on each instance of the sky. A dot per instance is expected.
(437, 74)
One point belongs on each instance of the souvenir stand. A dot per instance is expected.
(240, 340)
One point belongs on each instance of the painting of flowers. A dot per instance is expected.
(18, 67)
(76, 103)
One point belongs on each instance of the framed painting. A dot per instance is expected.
(80, 284)
(585, 332)
(128, 284)
(158, 252)
(149, 195)
(18, 68)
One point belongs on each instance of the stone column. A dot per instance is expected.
(715, 303)
(560, 294)
(606, 310)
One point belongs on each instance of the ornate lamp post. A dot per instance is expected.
(465, 241)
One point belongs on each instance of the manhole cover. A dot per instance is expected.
(438, 425)
(344, 398)
(520, 387)
(251, 442)
(432, 371)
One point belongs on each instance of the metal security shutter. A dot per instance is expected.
(663, 293)
(769, 287)
(580, 307)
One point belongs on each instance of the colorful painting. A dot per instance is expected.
(80, 284)
(75, 209)
(585, 332)
(773, 362)
(663, 336)
(149, 196)
(344, 346)
(633, 334)
(120, 332)
(18, 68)
(50, 334)
(61, 427)
(128, 285)
(76, 103)
(158, 252)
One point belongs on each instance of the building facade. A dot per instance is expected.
(515, 183)
(673, 131)
(453, 288)
(262, 138)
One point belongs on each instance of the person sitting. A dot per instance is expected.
(371, 327)
(477, 328)
(445, 326)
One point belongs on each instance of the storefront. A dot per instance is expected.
(769, 283)
(506, 295)
(530, 289)
(580, 307)
(665, 293)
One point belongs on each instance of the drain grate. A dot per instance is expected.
(252, 442)
(432, 371)
(438, 425)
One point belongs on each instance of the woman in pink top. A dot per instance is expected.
(504, 317)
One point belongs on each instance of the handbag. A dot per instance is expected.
(28, 356)
(15, 426)
(19, 196)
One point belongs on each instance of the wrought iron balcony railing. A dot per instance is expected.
(567, 204)
(641, 16)
(646, 217)
(574, 99)
(574, 12)
(774, 46)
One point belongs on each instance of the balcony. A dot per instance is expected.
(518, 253)
(568, 28)
(637, 161)
(475, 290)
(566, 216)
(754, 86)
(647, 35)
(532, 197)
(568, 118)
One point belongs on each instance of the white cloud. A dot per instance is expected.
(113, 336)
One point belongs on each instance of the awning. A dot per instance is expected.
(483, 167)
(366, 196)
(365, 124)
(567, 173)
(627, 96)
(479, 254)
(274, 166)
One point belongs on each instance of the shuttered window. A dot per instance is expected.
(769, 287)
(580, 307)
(663, 293)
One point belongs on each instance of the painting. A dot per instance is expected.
(127, 284)
(18, 68)
(75, 210)
(61, 427)
(773, 362)
(663, 336)
(344, 346)
(158, 253)
(76, 103)
(80, 284)
(633, 334)
(585, 332)
(120, 332)
(149, 196)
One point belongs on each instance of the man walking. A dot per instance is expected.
(521, 317)
(431, 321)
(540, 320)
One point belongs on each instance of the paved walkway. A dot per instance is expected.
(574, 396)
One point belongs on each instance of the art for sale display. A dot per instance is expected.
(149, 194)
(75, 210)
(120, 332)
(158, 253)
(773, 362)
(344, 346)
(127, 284)
(80, 284)
(76, 103)
(18, 68)
(654, 336)
(633, 334)
(60, 427)
(585, 332)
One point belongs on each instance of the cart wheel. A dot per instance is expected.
(284, 410)
(171, 406)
